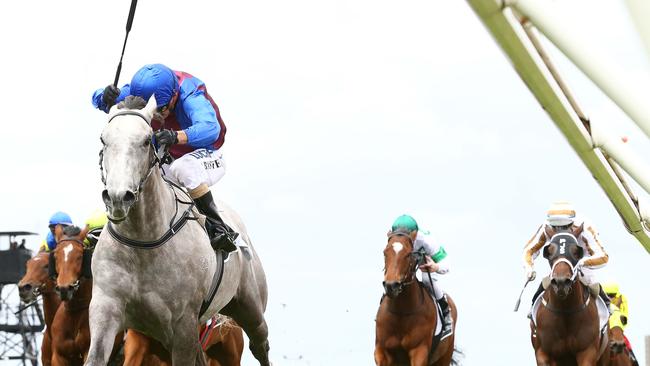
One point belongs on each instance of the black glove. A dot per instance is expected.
(166, 137)
(111, 93)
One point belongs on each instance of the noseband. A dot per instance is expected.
(574, 271)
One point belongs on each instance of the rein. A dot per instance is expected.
(159, 158)
(174, 227)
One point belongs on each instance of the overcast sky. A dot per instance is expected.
(341, 116)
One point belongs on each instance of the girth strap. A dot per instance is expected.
(138, 244)
(216, 281)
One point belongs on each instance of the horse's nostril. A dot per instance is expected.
(25, 288)
(129, 197)
(105, 197)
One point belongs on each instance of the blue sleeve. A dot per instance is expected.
(205, 128)
(51, 242)
(99, 103)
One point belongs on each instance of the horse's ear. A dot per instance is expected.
(413, 235)
(578, 231)
(58, 233)
(84, 232)
(548, 230)
(150, 108)
(388, 233)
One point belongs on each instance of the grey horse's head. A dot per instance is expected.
(128, 155)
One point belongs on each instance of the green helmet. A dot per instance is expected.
(405, 222)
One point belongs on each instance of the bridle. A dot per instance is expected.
(157, 159)
(574, 275)
(415, 259)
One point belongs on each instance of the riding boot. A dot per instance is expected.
(447, 324)
(221, 235)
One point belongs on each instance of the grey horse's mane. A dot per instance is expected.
(132, 102)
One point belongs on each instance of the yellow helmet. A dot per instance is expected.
(97, 220)
(95, 224)
(561, 213)
(610, 288)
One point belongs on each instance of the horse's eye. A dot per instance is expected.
(146, 142)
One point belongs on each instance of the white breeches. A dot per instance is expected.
(195, 168)
(435, 286)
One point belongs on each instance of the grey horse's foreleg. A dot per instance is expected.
(250, 317)
(105, 318)
(186, 349)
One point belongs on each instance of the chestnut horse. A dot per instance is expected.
(619, 352)
(70, 331)
(407, 315)
(223, 345)
(37, 282)
(70, 264)
(566, 330)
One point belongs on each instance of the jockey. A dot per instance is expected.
(435, 254)
(561, 217)
(618, 300)
(58, 218)
(189, 123)
(95, 223)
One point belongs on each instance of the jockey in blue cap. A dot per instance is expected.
(59, 218)
(189, 123)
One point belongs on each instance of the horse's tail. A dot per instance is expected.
(457, 356)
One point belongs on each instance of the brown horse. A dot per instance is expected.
(407, 315)
(70, 264)
(223, 346)
(38, 282)
(70, 331)
(567, 329)
(619, 353)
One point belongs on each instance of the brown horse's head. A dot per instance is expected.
(563, 253)
(617, 341)
(70, 261)
(36, 279)
(400, 262)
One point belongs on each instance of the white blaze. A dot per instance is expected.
(66, 251)
(397, 247)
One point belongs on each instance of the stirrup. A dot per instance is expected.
(224, 241)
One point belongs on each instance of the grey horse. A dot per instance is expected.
(159, 290)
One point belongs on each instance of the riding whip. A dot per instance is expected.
(129, 22)
(522, 291)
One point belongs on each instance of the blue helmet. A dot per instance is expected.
(155, 79)
(60, 218)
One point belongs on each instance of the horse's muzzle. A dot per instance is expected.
(561, 286)
(393, 288)
(617, 347)
(28, 293)
(118, 204)
(66, 292)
